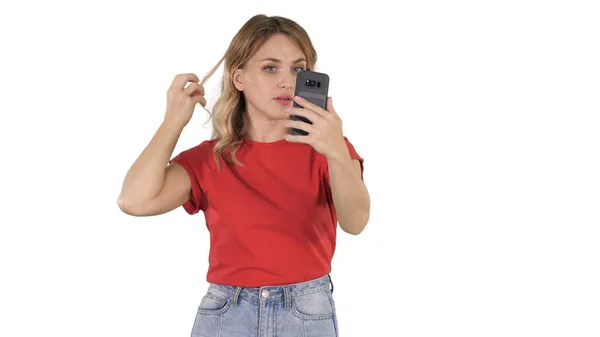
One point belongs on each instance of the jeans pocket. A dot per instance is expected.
(213, 304)
(316, 306)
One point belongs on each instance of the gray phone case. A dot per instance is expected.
(313, 87)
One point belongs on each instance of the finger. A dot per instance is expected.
(300, 125)
(296, 139)
(310, 115)
(199, 89)
(308, 105)
(330, 106)
(181, 80)
(194, 88)
(200, 100)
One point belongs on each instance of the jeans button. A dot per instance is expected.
(265, 294)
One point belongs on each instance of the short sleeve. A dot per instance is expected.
(191, 160)
(355, 155)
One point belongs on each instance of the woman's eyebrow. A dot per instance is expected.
(272, 59)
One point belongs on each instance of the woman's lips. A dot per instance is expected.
(283, 101)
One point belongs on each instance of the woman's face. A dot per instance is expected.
(268, 80)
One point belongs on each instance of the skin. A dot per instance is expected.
(263, 79)
(272, 72)
(151, 189)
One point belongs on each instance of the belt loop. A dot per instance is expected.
(331, 281)
(287, 297)
(236, 294)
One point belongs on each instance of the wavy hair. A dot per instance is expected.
(229, 117)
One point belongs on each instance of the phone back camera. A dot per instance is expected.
(311, 83)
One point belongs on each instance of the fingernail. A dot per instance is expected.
(298, 98)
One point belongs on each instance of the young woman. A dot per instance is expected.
(268, 197)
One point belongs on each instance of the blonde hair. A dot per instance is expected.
(229, 117)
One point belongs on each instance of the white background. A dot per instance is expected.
(478, 122)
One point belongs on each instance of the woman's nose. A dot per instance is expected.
(288, 81)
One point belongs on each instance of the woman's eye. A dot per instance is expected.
(272, 69)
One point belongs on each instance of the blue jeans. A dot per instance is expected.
(305, 309)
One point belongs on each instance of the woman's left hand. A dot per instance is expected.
(324, 134)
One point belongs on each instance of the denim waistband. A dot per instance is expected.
(275, 292)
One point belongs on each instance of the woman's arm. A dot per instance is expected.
(150, 186)
(350, 196)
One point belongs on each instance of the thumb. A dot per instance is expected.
(200, 100)
(330, 105)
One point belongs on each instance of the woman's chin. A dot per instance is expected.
(280, 113)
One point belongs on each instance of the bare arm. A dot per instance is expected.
(150, 186)
(350, 196)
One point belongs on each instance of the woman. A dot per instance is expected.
(268, 197)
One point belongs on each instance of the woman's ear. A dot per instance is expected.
(238, 79)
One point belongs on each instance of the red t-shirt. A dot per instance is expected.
(272, 221)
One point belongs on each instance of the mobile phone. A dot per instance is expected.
(313, 87)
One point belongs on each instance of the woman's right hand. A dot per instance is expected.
(182, 100)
